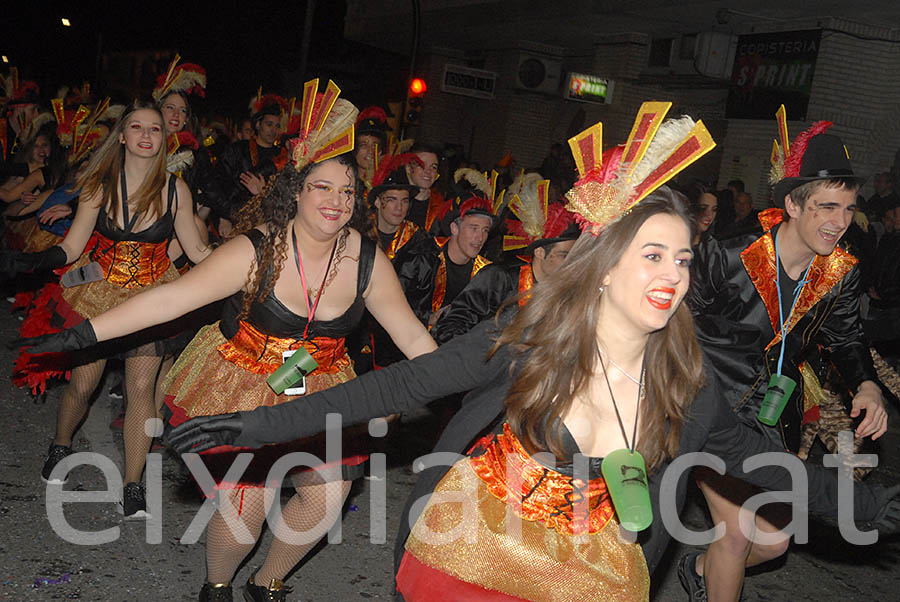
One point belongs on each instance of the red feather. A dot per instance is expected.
(515, 228)
(558, 220)
(26, 87)
(374, 112)
(475, 202)
(185, 138)
(798, 148)
(272, 99)
(391, 163)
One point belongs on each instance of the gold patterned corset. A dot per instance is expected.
(538, 493)
(507, 523)
(261, 353)
(130, 264)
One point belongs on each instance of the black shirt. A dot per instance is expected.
(458, 277)
(418, 211)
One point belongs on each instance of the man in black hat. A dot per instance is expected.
(760, 303)
(432, 272)
(245, 165)
(390, 198)
(494, 284)
(371, 140)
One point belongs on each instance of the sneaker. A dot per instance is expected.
(134, 502)
(115, 391)
(692, 583)
(275, 592)
(54, 455)
(216, 592)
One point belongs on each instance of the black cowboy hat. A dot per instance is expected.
(825, 158)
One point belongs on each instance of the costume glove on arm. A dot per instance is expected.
(16, 262)
(204, 432)
(71, 339)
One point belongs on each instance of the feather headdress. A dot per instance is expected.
(537, 219)
(391, 164)
(787, 157)
(261, 102)
(326, 125)
(611, 183)
(16, 91)
(78, 129)
(186, 78)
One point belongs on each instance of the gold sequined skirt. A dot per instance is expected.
(203, 382)
(92, 299)
(469, 540)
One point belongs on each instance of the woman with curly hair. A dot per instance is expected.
(128, 211)
(297, 278)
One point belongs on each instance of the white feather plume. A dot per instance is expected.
(667, 138)
(527, 206)
(475, 178)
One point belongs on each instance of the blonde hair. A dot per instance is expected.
(104, 169)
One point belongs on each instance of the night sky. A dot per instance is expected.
(241, 45)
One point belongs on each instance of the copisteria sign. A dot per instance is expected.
(771, 69)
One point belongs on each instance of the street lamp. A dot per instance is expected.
(5, 59)
(66, 22)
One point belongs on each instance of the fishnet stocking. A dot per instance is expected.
(140, 385)
(73, 404)
(224, 553)
(309, 514)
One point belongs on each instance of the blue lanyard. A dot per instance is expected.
(797, 290)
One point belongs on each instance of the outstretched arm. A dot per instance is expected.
(222, 274)
(460, 365)
(33, 180)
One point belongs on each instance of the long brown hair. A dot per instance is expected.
(103, 170)
(276, 207)
(554, 344)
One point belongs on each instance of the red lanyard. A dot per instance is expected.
(310, 309)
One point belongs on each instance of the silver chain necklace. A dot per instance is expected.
(620, 369)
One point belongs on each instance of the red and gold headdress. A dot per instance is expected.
(537, 218)
(186, 78)
(482, 201)
(610, 184)
(267, 104)
(78, 129)
(16, 91)
(326, 125)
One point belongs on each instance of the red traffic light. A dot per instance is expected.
(417, 87)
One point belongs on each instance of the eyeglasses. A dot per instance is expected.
(346, 194)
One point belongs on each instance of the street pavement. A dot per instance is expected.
(148, 562)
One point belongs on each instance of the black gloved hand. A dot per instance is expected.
(71, 339)
(16, 262)
(204, 432)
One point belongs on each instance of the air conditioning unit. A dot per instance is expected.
(714, 53)
(539, 73)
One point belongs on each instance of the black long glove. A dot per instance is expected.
(16, 262)
(204, 432)
(81, 336)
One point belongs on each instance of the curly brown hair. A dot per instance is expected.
(276, 207)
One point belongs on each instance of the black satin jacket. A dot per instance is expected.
(231, 195)
(480, 300)
(734, 300)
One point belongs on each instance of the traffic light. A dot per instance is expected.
(415, 100)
